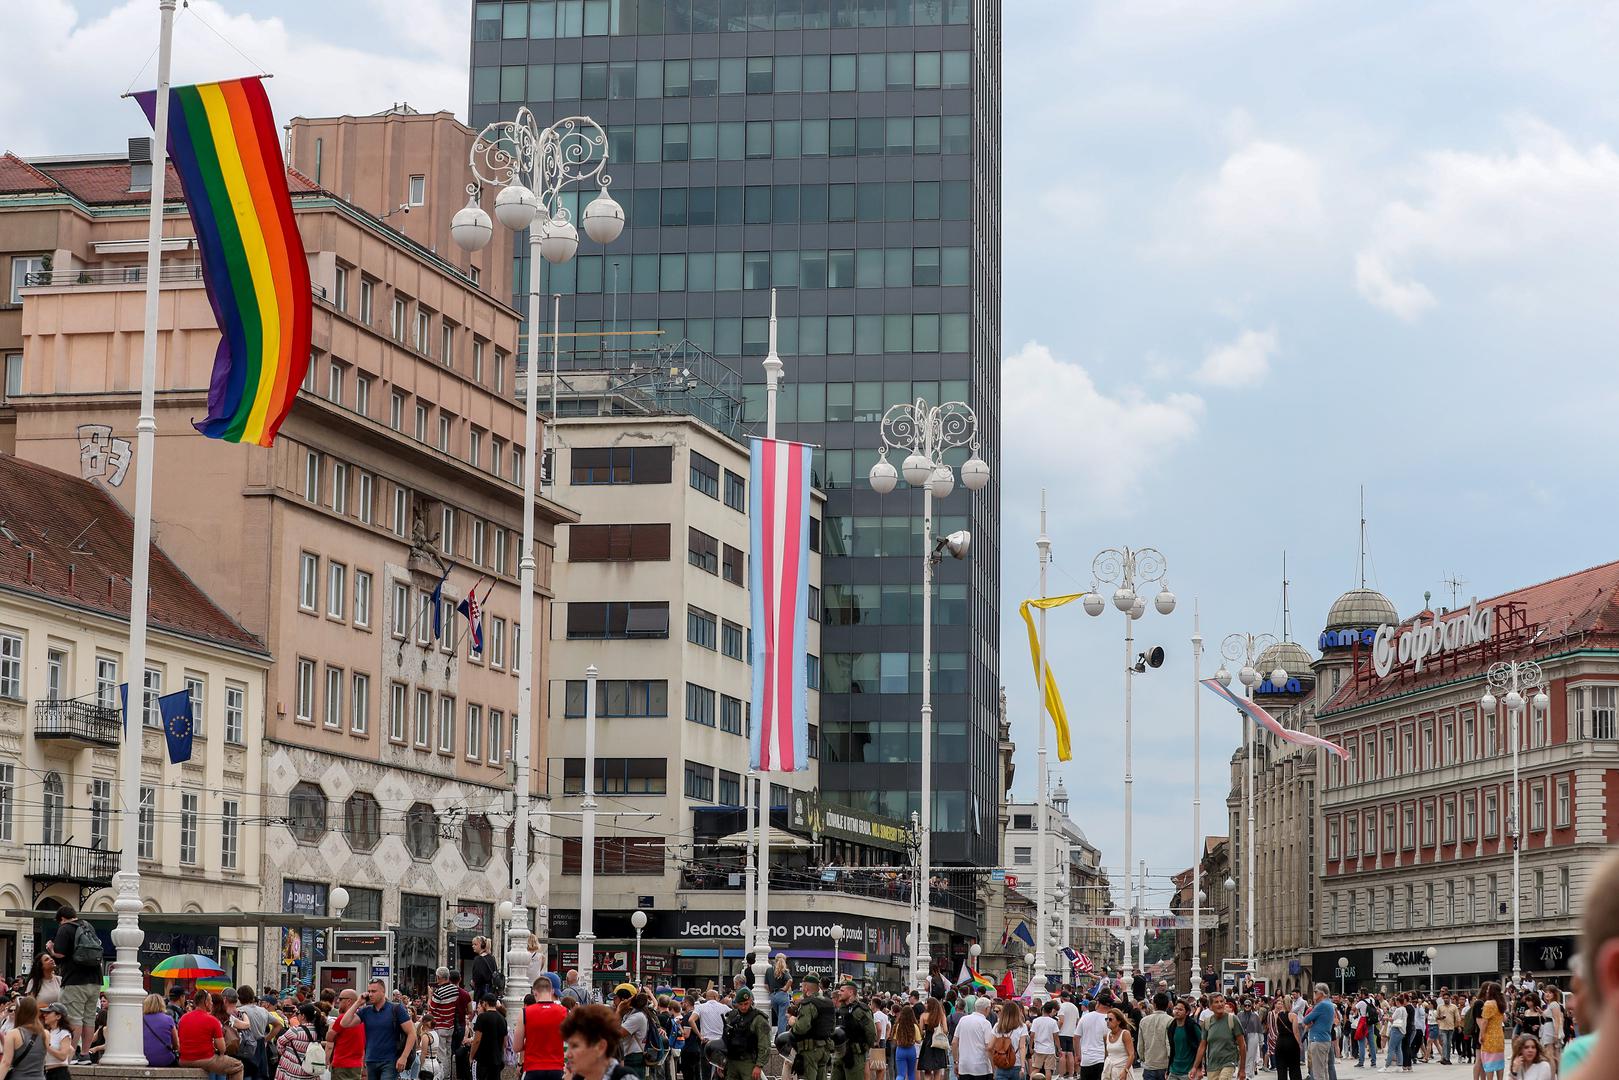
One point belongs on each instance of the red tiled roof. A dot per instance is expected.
(1582, 606)
(107, 183)
(81, 542)
(18, 177)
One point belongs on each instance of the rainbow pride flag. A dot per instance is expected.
(222, 140)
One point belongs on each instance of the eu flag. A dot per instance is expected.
(437, 600)
(175, 709)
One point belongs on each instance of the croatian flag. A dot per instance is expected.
(1269, 722)
(778, 585)
(473, 611)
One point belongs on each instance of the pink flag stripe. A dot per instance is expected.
(779, 523)
(1270, 723)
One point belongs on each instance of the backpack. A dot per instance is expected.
(314, 1062)
(657, 1041)
(87, 948)
(1002, 1052)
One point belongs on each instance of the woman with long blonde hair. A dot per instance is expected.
(22, 1051)
(779, 981)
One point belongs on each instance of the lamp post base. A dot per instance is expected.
(126, 993)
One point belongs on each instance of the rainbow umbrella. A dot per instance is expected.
(189, 966)
(214, 982)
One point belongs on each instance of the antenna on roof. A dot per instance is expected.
(1454, 583)
(1363, 536)
(1286, 614)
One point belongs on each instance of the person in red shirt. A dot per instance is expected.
(345, 1046)
(540, 1042)
(202, 1040)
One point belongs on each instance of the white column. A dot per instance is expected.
(1248, 894)
(1196, 985)
(587, 845)
(1128, 970)
(125, 994)
(1042, 946)
(924, 949)
(761, 908)
(1517, 846)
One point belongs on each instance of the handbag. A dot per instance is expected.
(940, 1040)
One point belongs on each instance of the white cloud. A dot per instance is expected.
(1264, 191)
(1544, 213)
(87, 62)
(1059, 426)
(1243, 362)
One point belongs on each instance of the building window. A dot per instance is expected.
(736, 491)
(418, 190)
(446, 724)
(188, 827)
(477, 841)
(1563, 892)
(312, 476)
(152, 714)
(308, 581)
(365, 497)
(446, 348)
(362, 821)
(336, 590)
(11, 666)
(362, 598)
(702, 551)
(730, 788)
(100, 814)
(701, 628)
(1537, 808)
(1469, 817)
(497, 642)
(730, 715)
(367, 295)
(334, 698)
(474, 732)
(396, 712)
(1408, 834)
(197, 696)
(1351, 836)
(340, 488)
(479, 533)
(21, 267)
(700, 705)
(731, 638)
(611, 543)
(1390, 840)
(1449, 834)
(1332, 838)
(360, 704)
(497, 725)
(616, 620)
(421, 831)
(401, 514)
(304, 710)
(618, 698)
(699, 781)
(1595, 710)
(107, 682)
(230, 834)
(235, 714)
(399, 613)
(340, 287)
(424, 719)
(1489, 814)
(1427, 824)
(334, 383)
(398, 319)
(146, 824)
(306, 812)
(55, 674)
(595, 465)
(705, 475)
(13, 376)
(1563, 805)
(731, 565)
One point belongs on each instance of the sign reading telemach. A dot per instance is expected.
(1420, 640)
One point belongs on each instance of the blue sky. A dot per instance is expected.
(1256, 255)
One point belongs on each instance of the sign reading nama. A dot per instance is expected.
(1421, 641)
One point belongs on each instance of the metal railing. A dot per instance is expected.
(67, 862)
(127, 275)
(83, 720)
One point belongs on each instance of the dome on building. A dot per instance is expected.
(1288, 655)
(1359, 608)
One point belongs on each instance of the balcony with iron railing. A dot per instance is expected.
(75, 725)
(68, 862)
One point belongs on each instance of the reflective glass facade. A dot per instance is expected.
(846, 153)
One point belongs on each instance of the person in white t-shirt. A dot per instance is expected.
(1092, 1042)
(1044, 1060)
(970, 1046)
(710, 1016)
(1067, 1029)
(877, 1055)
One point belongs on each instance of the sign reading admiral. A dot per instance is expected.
(1422, 641)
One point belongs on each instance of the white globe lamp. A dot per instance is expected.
(471, 228)
(1248, 676)
(1094, 604)
(1164, 601)
(1124, 598)
(916, 470)
(516, 207)
(558, 241)
(883, 477)
(943, 481)
(1278, 678)
(974, 473)
(603, 219)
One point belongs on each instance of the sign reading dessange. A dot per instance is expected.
(1420, 641)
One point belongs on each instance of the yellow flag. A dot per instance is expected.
(1059, 718)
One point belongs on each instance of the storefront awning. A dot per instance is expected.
(779, 841)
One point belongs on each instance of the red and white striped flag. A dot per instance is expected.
(778, 583)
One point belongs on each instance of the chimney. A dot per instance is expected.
(140, 164)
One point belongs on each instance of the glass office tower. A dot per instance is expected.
(846, 152)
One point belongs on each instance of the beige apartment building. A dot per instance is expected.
(64, 639)
(386, 762)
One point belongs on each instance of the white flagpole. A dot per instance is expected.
(761, 906)
(125, 993)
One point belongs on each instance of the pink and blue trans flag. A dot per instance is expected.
(1269, 722)
(778, 584)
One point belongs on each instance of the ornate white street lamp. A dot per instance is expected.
(924, 434)
(1245, 649)
(1127, 569)
(533, 166)
(1519, 682)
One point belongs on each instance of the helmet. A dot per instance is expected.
(714, 1051)
(840, 1038)
(785, 1044)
